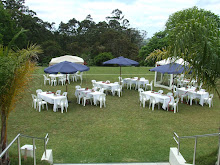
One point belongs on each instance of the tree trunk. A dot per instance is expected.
(5, 159)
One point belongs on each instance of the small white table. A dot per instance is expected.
(52, 99)
(164, 99)
(89, 93)
(198, 94)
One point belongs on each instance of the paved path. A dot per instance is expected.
(159, 163)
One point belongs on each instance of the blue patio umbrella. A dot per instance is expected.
(121, 61)
(172, 68)
(66, 67)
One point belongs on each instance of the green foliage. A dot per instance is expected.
(102, 57)
(51, 49)
(158, 41)
(194, 36)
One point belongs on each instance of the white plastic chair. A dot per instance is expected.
(53, 81)
(34, 102)
(101, 99)
(77, 87)
(169, 94)
(153, 101)
(174, 105)
(149, 85)
(118, 90)
(58, 92)
(39, 91)
(62, 80)
(62, 104)
(120, 80)
(79, 97)
(179, 83)
(40, 103)
(64, 94)
(174, 90)
(79, 75)
(209, 100)
(191, 97)
(160, 91)
(85, 98)
(140, 90)
(93, 82)
(144, 99)
(46, 79)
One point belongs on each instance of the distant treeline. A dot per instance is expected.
(94, 42)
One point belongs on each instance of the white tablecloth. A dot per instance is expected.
(52, 99)
(56, 75)
(109, 86)
(198, 94)
(164, 99)
(137, 82)
(92, 94)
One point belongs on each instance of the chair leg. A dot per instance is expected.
(152, 106)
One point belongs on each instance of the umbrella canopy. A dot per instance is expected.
(172, 68)
(121, 61)
(66, 68)
(70, 58)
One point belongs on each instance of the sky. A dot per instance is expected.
(148, 15)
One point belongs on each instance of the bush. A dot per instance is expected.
(102, 57)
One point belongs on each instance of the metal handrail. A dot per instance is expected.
(195, 136)
(46, 139)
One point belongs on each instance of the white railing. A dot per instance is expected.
(177, 140)
(46, 139)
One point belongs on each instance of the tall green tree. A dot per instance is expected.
(157, 42)
(194, 36)
(16, 67)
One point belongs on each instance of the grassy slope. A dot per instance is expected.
(121, 132)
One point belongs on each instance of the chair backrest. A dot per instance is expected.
(93, 81)
(177, 100)
(102, 96)
(174, 88)
(45, 77)
(142, 78)
(211, 96)
(33, 96)
(160, 91)
(39, 91)
(152, 99)
(151, 83)
(101, 90)
(95, 88)
(58, 92)
(107, 81)
(116, 83)
(77, 87)
(120, 78)
(135, 77)
(202, 90)
(64, 94)
(140, 90)
(169, 94)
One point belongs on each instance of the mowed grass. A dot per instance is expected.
(121, 132)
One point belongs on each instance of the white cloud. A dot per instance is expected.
(142, 14)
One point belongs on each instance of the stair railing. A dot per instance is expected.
(46, 139)
(177, 140)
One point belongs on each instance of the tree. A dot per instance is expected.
(194, 36)
(157, 42)
(16, 67)
(102, 57)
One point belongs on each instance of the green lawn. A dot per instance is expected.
(121, 132)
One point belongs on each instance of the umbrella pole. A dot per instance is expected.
(66, 82)
(120, 77)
